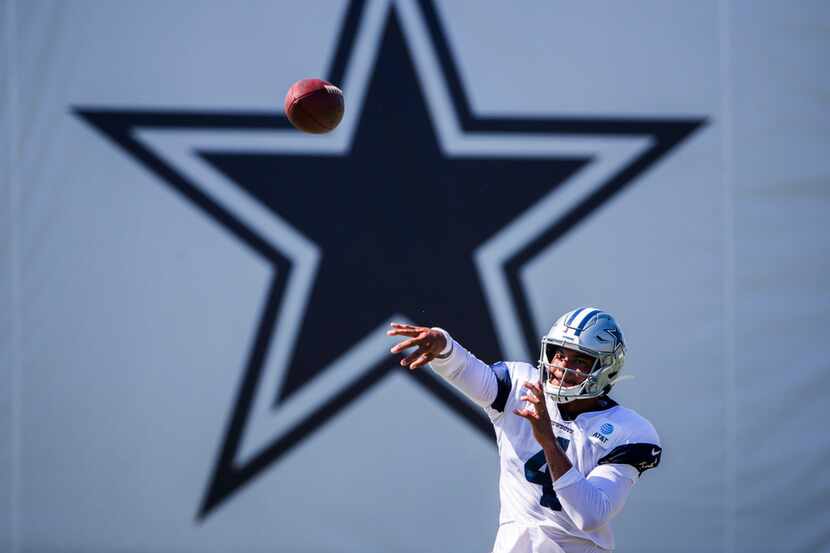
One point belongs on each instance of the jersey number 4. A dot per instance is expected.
(536, 475)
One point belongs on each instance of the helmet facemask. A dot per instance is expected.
(584, 383)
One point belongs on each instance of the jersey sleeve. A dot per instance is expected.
(641, 456)
(495, 387)
(592, 501)
(473, 377)
(639, 448)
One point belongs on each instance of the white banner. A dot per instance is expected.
(193, 295)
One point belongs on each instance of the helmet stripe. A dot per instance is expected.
(573, 315)
(587, 318)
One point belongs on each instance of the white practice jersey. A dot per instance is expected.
(609, 449)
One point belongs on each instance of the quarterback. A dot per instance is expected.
(568, 454)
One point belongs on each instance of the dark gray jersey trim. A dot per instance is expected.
(640, 456)
(504, 387)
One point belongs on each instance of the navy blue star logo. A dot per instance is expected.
(615, 335)
(415, 209)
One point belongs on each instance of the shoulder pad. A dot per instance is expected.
(630, 427)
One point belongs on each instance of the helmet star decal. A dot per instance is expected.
(615, 334)
(330, 217)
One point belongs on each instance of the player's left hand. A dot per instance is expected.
(537, 412)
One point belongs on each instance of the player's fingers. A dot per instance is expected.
(530, 397)
(532, 386)
(400, 346)
(532, 390)
(535, 391)
(406, 344)
(422, 360)
(405, 327)
(404, 332)
(526, 414)
(412, 357)
(402, 327)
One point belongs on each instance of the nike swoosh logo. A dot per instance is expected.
(654, 453)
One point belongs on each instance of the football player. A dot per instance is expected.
(568, 454)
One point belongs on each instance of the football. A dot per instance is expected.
(314, 106)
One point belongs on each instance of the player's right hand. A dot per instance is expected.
(430, 343)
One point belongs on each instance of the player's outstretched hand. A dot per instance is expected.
(537, 412)
(429, 342)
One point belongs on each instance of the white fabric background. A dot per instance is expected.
(779, 173)
(122, 307)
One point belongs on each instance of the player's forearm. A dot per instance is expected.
(558, 463)
(467, 373)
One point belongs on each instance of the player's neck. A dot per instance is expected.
(577, 406)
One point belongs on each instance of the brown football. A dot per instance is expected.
(314, 105)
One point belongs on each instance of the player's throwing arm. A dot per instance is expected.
(433, 346)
